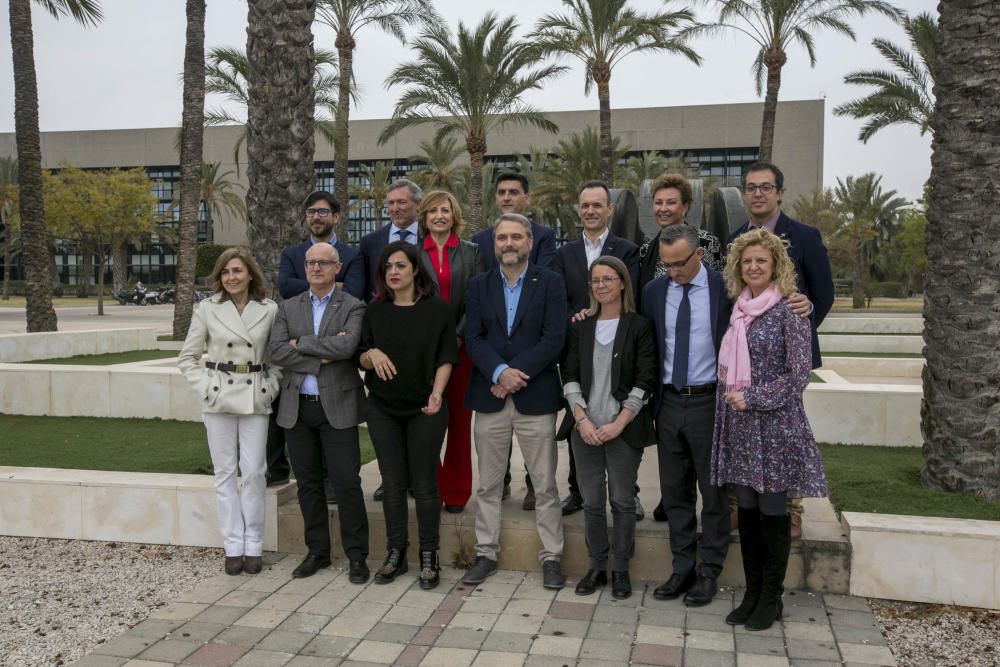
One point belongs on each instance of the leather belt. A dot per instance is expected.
(312, 398)
(692, 391)
(227, 367)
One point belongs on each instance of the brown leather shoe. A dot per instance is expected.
(234, 565)
(252, 564)
(529, 500)
(796, 521)
(506, 492)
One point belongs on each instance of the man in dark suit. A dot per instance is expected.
(314, 338)
(573, 262)
(763, 190)
(402, 200)
(690, 309)
(512, 196)
(514, 332)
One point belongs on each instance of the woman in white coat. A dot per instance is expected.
(225, 359)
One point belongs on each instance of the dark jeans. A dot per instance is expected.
(684, 447)
(309, 441)
(408, 451)
(621, 463)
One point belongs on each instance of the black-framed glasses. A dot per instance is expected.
(318, 212)
(320, 263)
(763, 188)
(606, 281)
(679, 265)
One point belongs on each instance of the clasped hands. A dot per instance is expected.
(735, 401)
(510, 381)
(596, 436)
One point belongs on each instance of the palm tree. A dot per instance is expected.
(226, 75)
(192, 134)
(962, 293)
(219, 195)
(41, 316)
(646, 166)
(865, 210)
(439, 170)
(280, 153)
(904, 96)
(774, 26)
(470, 84)
(600, 33)
(376, 188)
(347, 18)
(8, 204)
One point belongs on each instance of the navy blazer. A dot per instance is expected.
(654, 306)
(371, 247)
(292, 270)
(571, 262)
(812, 267)
(543, 246)
(533, 346)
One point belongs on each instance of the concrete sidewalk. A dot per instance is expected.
(510, 620)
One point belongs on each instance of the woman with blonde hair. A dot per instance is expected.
(224, 357)
(609, 373)
(763, 447)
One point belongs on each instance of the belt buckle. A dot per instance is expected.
(241, 368)
(686, 391)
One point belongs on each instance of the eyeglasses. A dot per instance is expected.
(606, 280)
(320, 263)
(679, 265)
(763, 188)
(318, 212)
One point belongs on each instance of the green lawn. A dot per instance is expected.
(93, 443)
(110, 358)
(887, 480)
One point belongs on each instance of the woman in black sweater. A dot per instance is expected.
(407, 350)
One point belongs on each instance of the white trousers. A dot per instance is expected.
(241, 510)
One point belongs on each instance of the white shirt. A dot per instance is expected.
(593, 248)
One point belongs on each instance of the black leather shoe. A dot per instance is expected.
(660, 514)
(572, 504)
(675, 586)
(552, 576)
(454, 509)
(591, 581)
(640, 513)
(310, 566)
(482, 568)
(276, 481)
(430, 570)
(621, 586)
(701, 593)
(358, 572)
(393, 566)
(379, 494)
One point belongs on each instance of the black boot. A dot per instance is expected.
(430, 570)
(393, 566)
(777, 535)
(752, 549)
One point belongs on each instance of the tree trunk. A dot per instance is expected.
(119, 261)
(774, 60)
(192, 130)
(602, 77)
(280, 126)
(83, 272)
(6, 266)
(477, 150)
(341, 129)
(858, 281)
(41, 316)
(101, 261)
(959, 418)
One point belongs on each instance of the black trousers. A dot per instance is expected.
(684, 446)
(277, 461)
(408, 451)
(309, 440)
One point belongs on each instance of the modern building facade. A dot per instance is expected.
(721, 139)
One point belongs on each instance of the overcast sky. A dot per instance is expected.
(126, 74)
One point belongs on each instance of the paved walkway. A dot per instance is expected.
(272, 620)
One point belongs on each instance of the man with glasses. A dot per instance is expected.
(763, 189)
(690, 310)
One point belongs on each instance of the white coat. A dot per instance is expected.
(220, 334)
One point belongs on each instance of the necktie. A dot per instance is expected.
(403, 234)
(682, 341)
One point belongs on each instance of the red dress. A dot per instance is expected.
(454, 476)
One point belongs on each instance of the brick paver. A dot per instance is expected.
(272, 619)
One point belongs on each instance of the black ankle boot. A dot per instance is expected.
(393, 566)
(777, 536)
(430, 570)
(751, 548)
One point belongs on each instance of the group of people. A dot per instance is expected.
(668, 344)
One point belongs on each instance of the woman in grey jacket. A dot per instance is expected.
(225, 359)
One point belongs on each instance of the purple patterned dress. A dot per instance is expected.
(770, 446)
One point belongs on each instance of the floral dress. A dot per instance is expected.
(770, 447)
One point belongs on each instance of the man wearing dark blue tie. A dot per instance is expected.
(402, 200)
(690, 310)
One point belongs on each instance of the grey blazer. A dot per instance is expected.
(340, 385)
(464, 262)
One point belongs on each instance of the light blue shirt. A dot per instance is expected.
(511, 297)
(701, 353)
(411, 238)
(310, 385)
(332, 241)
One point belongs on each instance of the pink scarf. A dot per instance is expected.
(734, 353)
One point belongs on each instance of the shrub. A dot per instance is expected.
(207, 256)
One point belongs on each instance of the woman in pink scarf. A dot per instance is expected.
(763, 446)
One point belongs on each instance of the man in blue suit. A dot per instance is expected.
(402, 200)
(690, 309)
(515, 327)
